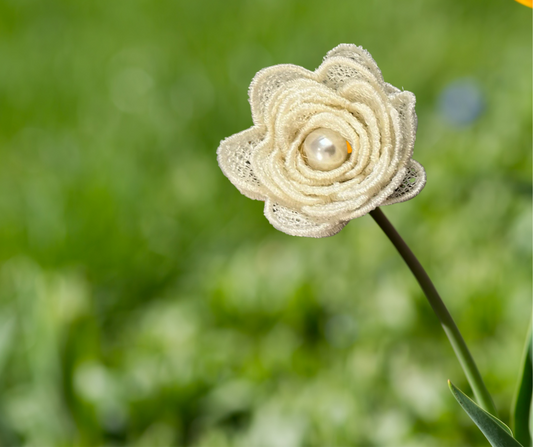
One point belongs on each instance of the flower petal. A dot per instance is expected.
(267, 81)
(335, 72)
(296, 224)
(404, 103)
(358, 54)
(234, 158)
(412, 184)
(363, 57)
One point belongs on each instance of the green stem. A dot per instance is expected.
(450, 328)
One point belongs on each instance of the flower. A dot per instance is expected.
(326, 146)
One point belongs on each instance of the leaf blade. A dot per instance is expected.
(521, 411)
(496, 432)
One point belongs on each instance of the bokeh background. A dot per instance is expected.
(145, 302)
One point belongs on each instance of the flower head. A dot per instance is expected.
(326, 146)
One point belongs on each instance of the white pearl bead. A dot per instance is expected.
(325, 149)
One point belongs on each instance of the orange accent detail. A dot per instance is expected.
(526, 2)
(349, 147)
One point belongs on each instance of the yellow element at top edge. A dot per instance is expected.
(526, 2)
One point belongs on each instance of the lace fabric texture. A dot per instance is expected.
(347, 94)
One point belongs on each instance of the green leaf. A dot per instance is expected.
(521, 411)
(497, 433)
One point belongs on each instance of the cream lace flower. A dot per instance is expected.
(326, 146)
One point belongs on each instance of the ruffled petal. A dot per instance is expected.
(335, 72)
(412, 184)
(363, 57)
(358, 54)
(295, 223)
(404, 103)
(234, 158)
(267, 82)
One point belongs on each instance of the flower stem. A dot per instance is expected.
(450, 328)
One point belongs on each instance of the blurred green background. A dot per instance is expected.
(145, 302)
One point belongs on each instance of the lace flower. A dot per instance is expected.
(326, 146)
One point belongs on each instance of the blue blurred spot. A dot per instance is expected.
(461, 102)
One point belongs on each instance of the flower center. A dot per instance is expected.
(325, 149)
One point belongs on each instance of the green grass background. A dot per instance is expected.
(145, 302)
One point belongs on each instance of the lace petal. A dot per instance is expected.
(412, 184)
(295, 223)
(267, 82)
(234, 158)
